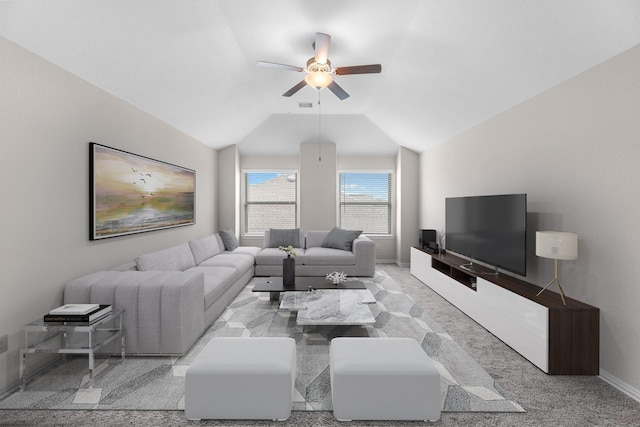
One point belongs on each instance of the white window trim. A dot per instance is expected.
(392, 197)
(243, 194)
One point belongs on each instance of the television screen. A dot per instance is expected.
(491, 229)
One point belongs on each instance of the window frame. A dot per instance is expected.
(390, 203)
(244, 203)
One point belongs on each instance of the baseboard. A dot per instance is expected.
(393, 261)
(630, 391)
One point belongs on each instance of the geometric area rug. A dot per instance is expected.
(157, 383)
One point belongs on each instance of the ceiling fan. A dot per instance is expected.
(319, 71)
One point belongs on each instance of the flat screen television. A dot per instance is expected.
(491, 229)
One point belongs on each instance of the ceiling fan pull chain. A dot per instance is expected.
(319, 117)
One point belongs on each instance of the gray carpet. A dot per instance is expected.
(157, 383)
(548, 399)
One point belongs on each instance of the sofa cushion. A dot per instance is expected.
(274, 256)
(328, 256)
(129, 266)
(248, 250)
(229, 239)
(217, 280)
(241, 262)
(284, 237)
(314, 239)
(340, 239)
(204, 248)
(220, 242)
(175, 258)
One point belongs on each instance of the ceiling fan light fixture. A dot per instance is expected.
(319, 71)
(318, 79)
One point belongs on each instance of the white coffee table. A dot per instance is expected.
(330, 307)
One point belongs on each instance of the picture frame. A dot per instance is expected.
(130, 193)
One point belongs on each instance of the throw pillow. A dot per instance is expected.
(229, 239)
(340, 239)
(284, 237)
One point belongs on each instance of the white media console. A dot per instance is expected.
(556, 338)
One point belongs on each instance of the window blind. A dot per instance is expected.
(365, 202)
(270, 201)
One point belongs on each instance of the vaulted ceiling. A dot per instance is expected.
(447, 65)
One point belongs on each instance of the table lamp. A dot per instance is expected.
(556, 245)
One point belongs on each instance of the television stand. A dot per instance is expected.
(559, 339)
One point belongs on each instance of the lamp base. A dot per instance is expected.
(555, 279)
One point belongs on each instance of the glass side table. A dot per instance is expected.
(71, 338)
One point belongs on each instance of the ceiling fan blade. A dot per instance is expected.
(322, 47)
(295, 88)
(278, 66)
(359, 69)
(338, 91)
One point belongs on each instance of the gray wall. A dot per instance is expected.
(47, 118)
(406, 204)
(574, 150)
(318, 184)
(228, 172)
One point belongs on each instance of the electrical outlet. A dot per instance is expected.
(4, 343)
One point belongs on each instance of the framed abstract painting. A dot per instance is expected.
(134, 194)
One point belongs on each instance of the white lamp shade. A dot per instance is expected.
(556, 245)
(318, 79)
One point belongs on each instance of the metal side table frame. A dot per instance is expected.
(59, 339)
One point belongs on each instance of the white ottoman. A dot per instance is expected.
(242, 378)
(383, 379)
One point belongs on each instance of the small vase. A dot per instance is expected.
(288, 271)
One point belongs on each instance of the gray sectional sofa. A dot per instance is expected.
(171, 296)
(355, 257)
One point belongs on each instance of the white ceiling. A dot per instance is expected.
(447, 65)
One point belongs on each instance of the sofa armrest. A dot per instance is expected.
(164, 310)
(364, 250)
(181, 312)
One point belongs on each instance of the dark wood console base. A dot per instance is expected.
(573, 330)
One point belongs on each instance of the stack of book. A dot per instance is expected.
(78, 313)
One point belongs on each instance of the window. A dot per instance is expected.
(270, 201)
(365, 202)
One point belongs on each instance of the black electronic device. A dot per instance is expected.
(491, 229)
(427, 236)
(433, 248)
